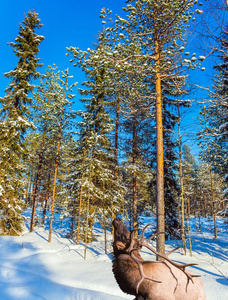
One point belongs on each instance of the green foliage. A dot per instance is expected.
(15, 121)
(92, 169)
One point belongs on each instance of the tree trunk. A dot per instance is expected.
(134, 179)
(116, 149)
(35, 190)
(116, 138)
(213, 203)
(46, 198)
(104, 218)
(159, 145)
(87, 212)
(181, 184)
(80, 200)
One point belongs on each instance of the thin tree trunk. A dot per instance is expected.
(116, 138)
(31, 186)
(181, 183)
(87, 221)
(213, 202)
(28, 183)
(104, 218)
(87, 212)
(80, 201)
(189, 235)
(134, 179)
(159, 145)
(116, 150)
(46, 198)
(187, 219)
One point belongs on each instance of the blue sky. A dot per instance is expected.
(66, 23)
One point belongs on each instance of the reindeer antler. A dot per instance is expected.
(182, 267)
(139, 261)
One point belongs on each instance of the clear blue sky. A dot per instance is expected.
(66, 23)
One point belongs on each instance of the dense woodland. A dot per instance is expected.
(126, 152)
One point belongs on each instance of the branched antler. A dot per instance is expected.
(145, 243)
(139, 262)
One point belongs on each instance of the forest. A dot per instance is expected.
(127, 151)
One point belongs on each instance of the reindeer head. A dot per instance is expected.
(123, 242)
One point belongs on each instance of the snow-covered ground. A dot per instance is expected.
(31, 268)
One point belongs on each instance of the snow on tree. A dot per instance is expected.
(15, 122)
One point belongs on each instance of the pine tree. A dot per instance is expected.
(159, 28)
(52, 110)
(15, 121)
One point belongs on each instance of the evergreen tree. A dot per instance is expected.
(159, 28)
(94, 189)
(53, 120)
(218, 112)
(15, 121)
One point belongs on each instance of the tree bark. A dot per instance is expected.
(213, 202)
(160, 160)
(46, 198)
(80, 201)
(116, 138)
(134, 178)
(87, 212)
(181, 183)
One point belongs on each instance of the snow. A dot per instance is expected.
(225, 192)
(1, 190)
(32, 269)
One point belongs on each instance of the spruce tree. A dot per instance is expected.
(15, 121)
(93, 186)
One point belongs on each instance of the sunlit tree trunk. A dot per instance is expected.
(159, 147)
(80, 201)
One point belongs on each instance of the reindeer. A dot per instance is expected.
(150, 280)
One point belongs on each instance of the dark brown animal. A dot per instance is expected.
(150, 280)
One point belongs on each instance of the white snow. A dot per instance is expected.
(1, 190)
(32, 269)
